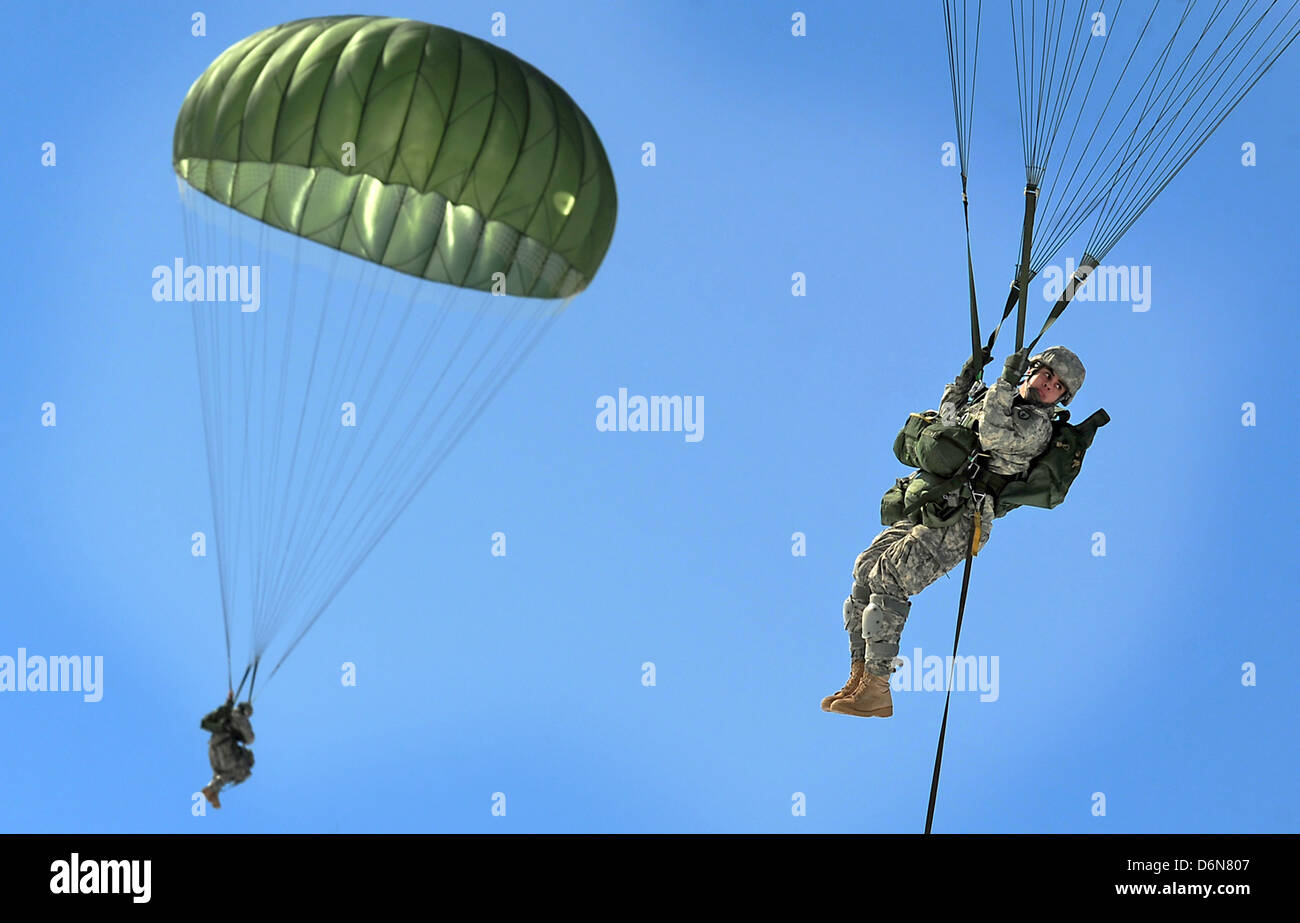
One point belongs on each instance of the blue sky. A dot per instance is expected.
(1118, 673)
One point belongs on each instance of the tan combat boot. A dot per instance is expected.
(210, 793)
(855, 676)
(870, 699)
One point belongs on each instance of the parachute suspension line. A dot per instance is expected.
(396, 471)
(1053, 95)
(278, 510)
(1119, 190)
(259, 501)
(1020, 50)
(330, 561)
(263, 505)
(242, 518)
(1047, 77)
(313, 487)
(962, 76)
(390, 469)
(1166, 98)
(364, 407)
(963, 105)
(1199, 126)
(295, 498)
(506, 365)
(1068, 218)
(326, 532)
(207, 364)
(369, 399)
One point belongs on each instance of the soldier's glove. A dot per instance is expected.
(971, 369)
(1014, 368)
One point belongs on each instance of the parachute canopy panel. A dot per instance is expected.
(405, 144)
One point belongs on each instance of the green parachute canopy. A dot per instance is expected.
(330, 398)
(408, 145)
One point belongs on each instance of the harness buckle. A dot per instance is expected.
(973, 469)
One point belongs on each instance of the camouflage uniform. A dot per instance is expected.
(906, 558)
(232, 761)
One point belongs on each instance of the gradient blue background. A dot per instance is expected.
(1118, 674)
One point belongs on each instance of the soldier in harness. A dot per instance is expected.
(232, 761)
(1014, 423)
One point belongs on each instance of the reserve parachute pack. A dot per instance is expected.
(944, 452)
(929, 443)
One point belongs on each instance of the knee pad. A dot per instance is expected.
(883, 620)
(854, 605)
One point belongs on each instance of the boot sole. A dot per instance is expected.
(868, 713)
(872, 713)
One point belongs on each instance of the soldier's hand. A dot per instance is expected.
(972, 369)
(1014, 368)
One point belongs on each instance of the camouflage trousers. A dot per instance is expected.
(231, 761)
(902, 561)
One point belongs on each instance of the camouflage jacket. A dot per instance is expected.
(1013, 430)
(225, 722)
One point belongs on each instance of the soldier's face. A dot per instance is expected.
(1044, 381)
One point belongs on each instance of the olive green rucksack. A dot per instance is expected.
(928, 443)
(1050, 474)
(941, 451)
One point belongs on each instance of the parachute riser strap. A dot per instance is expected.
(1023, 271)
(1086, 266)
(970, 276)
(1013, 298)
(240, 688)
